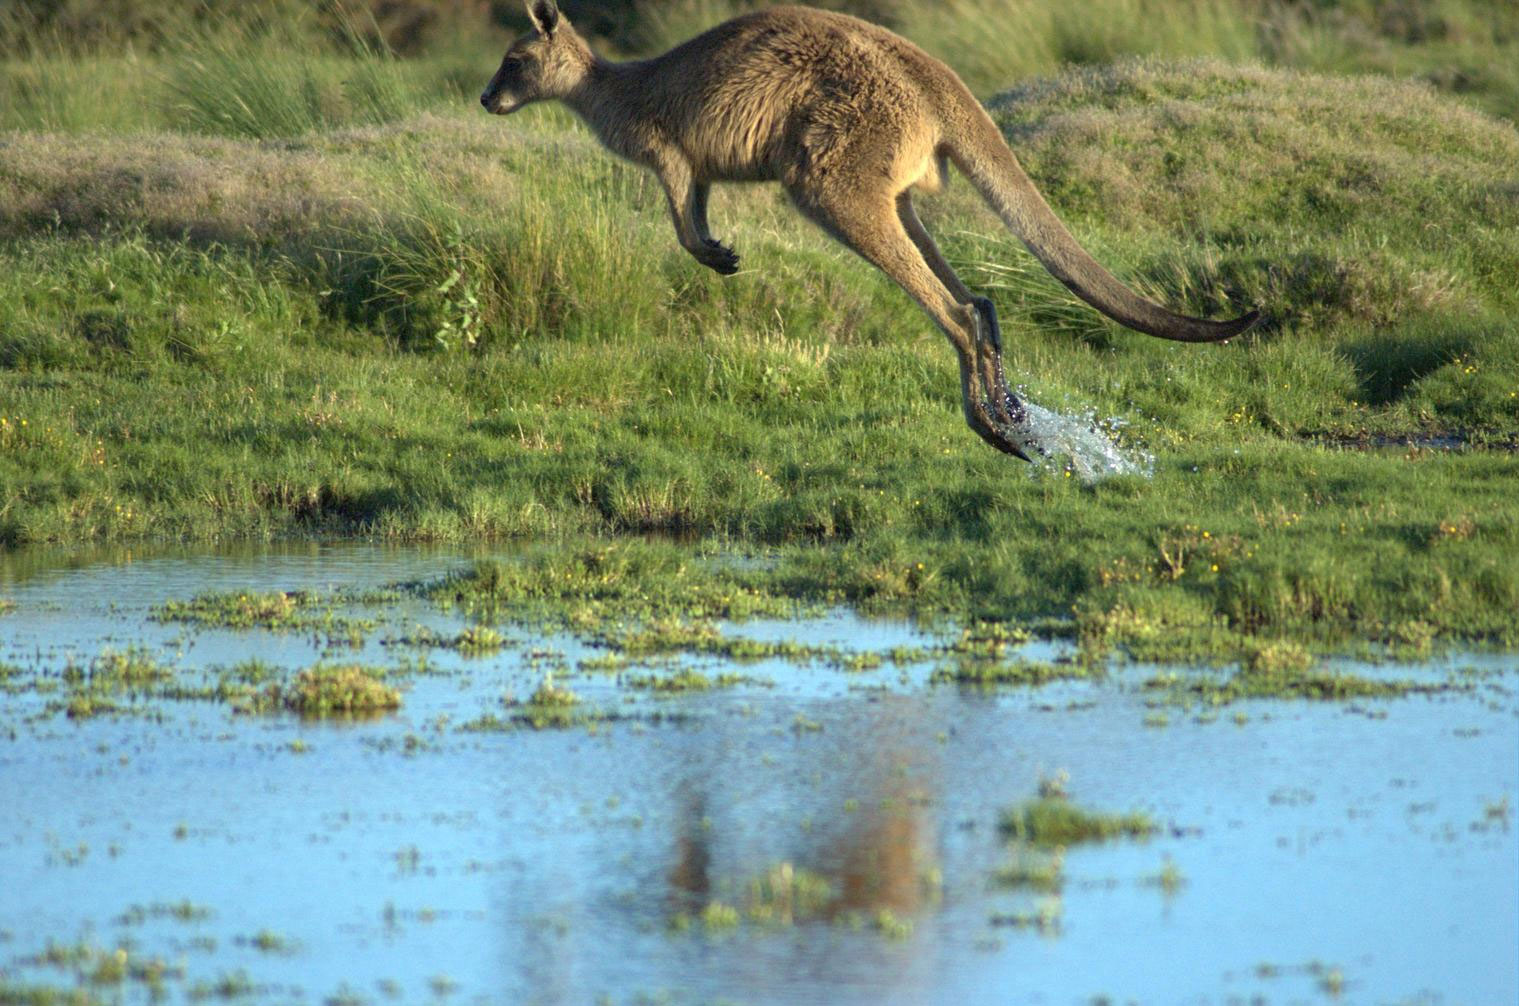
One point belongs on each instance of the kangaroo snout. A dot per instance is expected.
(495, 104)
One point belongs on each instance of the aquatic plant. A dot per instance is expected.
(329, 690)
(1033, 869)
(1017, 671)
(1055, 822)
(787, 894)
(1044, 917)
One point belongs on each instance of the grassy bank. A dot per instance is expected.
(439, 326)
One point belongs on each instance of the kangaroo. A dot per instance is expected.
(851, 119)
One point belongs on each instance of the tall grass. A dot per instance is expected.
(273, 71)
(248, 83)
(57, 91)
(992, 43)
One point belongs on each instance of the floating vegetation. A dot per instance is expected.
(274, 611)
(786, 894)
(857, 662)
(103, 685)
(473, 641)
(268, 941)
(94, 968)
(1169, 878)
(686, 680)
(663, 636)
(1495, 814)
(479, 640)
(179, 911)
(242, 610)
(227, 986)
(890, 925)
(1039, 831)
(1043, 917)
(1279, 677)
(1033, 869)
(1017, 671)
(550, 706)
(1278, 657)
(1053, 822)
(326, 690)
(550, 695)
(989, 640)
(718, 916)
(117, 671)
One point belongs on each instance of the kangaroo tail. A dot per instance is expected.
(995, 172)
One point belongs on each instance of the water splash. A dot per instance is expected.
(1079, 445)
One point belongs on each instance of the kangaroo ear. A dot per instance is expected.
(545, 15)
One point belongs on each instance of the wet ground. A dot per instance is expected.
(1306, 852)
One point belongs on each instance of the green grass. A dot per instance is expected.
(435, 326)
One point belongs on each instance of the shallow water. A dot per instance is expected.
(1369, 844)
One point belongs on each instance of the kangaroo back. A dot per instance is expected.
(979, 152)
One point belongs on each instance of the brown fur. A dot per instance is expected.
(850, 119)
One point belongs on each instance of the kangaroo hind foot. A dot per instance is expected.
(716, 256)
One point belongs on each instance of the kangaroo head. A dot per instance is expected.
(549, 62)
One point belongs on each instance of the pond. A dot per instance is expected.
(794, 831)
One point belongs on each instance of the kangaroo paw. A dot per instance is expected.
(1009, 408)
(1004, 405)
(718, 257)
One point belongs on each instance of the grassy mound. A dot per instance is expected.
(1325, 198)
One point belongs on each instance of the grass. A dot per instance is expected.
(418, 324)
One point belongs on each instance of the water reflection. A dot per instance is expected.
(867, 834)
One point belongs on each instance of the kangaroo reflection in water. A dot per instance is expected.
(867, 835)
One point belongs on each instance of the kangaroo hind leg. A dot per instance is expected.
(988, 344)
(872, 228)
